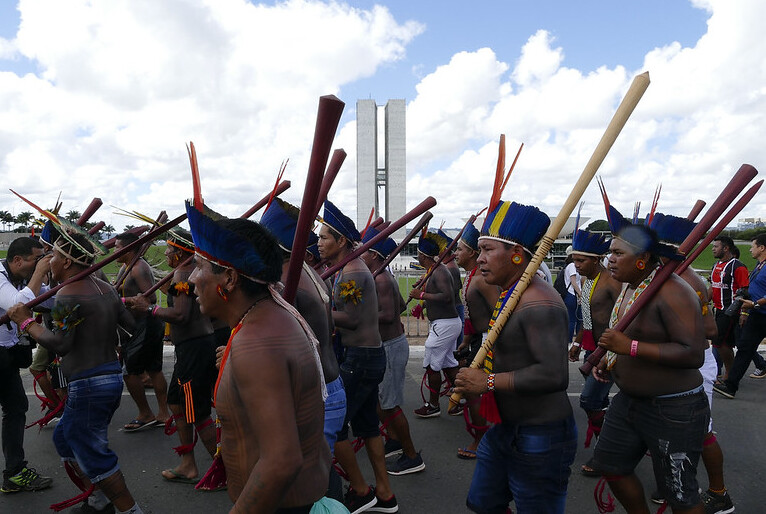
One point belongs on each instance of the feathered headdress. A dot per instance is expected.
(384, 247)
(512, 222)
(281, 219)
(470, 237)
(431, 244)
(588, 243)
(339, 222)
(670, 229)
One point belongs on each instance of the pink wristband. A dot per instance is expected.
(633, 348)
(154, 310)
(25, 324)
(422, 295)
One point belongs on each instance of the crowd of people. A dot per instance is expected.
(331, 360)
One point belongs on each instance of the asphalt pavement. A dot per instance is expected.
(440, 488)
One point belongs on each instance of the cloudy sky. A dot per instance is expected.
(99, 98)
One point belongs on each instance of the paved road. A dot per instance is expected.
(441, 488)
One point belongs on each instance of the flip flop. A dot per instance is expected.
(137, 424)
(589, 471)
(178, 477)
(466, 454)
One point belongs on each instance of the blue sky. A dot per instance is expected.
(118, 88)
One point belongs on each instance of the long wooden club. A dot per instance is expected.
(401, 246)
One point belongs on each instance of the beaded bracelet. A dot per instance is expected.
(491, 382)
(633, 348)
(25, 324)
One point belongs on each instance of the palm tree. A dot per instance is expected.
(73, 216)
(6, 218)
(23, 219)
(108, 230)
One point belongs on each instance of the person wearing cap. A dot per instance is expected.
(444, 324)
(526, 456)
(391, 390)
(661, 406)
(480, 298)
(143, 350)
(355, 314)
(85, 317)
(673, 230)
(269, 392)
(194, 371)
(312, 301)
(599, 293)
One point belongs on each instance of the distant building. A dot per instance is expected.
(749, 223)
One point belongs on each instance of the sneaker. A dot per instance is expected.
(657, 498)
(356, 504)
(724, 390)
(717, 503)
(457, 410)
(86, 508)
(758, 373)
(392, 447)
(405, 465)
(428, 411)
(25, 480)
(387, 506)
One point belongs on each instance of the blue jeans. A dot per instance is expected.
(81, 434)
(334, 411)
(361, 373)
(527, 464)
(571, 304)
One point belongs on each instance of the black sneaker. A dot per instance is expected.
(657, 498)
(405, 465)
(758, 373)
(387, 506)
(428, 411)
(724, 390)
(356, 504)
(717, 503)
(392, 447)
(86, 508)
(25, 480)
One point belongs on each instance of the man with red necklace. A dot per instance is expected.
(269, 393)
(527, 455)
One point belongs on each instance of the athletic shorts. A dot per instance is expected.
(727, 330)
(709, 372)
(143, 352)
(41, 360)
(391, 390)
(194, 375)
(672, 429)
(440, 343)
(361, 373)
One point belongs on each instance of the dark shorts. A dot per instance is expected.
(672, 429)
(194, 375)
(81, 435)
(143, 352)
(728, 328)
(361, 373)
(527, 464)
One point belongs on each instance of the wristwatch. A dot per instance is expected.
(756, 305)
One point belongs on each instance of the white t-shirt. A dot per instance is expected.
(568, 272)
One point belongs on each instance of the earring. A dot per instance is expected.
(222, 293)
(640, 264)
(516, 259)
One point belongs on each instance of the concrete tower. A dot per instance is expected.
(391, 176)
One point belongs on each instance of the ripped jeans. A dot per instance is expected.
(671, 428)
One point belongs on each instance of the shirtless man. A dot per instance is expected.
(268, 395)
(480, 299)
(600, 293)
(391, 395)
(86, 315)
(655, 363)
(444, 324)
(143, 351)
(355, 314)
(194, 372)
(529, 377)
(312, 300)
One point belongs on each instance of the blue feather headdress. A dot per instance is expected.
(224, 247)
(470, 237)
(281, 219)
(383, 247)
(313, 246)
(588, 243)
(431, 244)
(444, 236)
(512, 222)
(670, 229)
(339, 222)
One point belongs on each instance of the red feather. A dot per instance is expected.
(604, 196)
(654, 204)
(45, 213)
(369, 220)
(197, 188)
(511, 168)
(499, 171)
(276, 184)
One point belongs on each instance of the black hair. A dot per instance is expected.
(126, 238)
(265, 245)
(75, 252)
(22, 247)
(726, 242)
(760, 239)
(337, 235)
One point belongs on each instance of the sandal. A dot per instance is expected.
(589, 471)
(177, 477)
(137, 424)
(466, 454)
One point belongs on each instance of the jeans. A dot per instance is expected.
(361, 373)
(14, 404)
(527, 464)
(81, 434)
(571, 304)
(595, 394)
(753, 332)
(334, 411)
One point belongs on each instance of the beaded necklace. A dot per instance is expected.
(499, 305)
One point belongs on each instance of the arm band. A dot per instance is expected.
(25, 324)
(633, 348)
(491, 382)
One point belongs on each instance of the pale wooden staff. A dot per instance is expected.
(626, 107)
